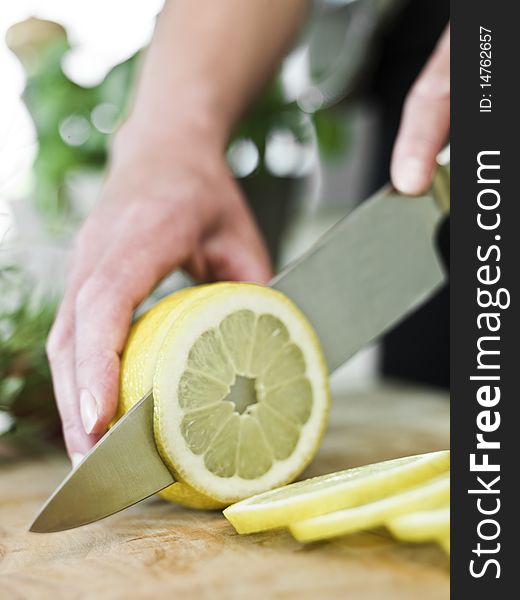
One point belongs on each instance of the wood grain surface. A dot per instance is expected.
(156, 550)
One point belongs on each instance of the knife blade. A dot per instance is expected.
(368, 272)
(123, 468)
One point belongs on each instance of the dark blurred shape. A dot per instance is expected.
(419, 349)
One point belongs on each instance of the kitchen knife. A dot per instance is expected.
(369, 271)
(123, 468)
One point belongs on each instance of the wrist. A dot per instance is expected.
(180, 129)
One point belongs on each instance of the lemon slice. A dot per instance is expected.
(240, 389)
(444, 543)
(432, 494)
(327, 493)
(421, 526)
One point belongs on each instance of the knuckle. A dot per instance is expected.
(83, 300)
(56, 343)
(423, 146)
(431, 88)
(70, 425)
(88, 294)
(137, 210)
(139, 220)
(104, 295)
(105, 363)
(84, 240)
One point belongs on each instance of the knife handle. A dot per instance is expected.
(441, 180)
(441, 193)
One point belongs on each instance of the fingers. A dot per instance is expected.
(237, 252)
(60, 350)
(425, 123)
(146, 249)
(121, 256)
(233, 258)
(100, 333)
(61, 346)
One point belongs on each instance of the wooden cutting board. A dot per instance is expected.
(156, 550)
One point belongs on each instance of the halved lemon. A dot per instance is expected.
(335, 491)
(432, 494)
(240, 389)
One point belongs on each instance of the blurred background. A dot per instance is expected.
(313, 145)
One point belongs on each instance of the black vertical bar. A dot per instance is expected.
(494, 133)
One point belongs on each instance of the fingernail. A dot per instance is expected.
(76, 458)
(410, 176)
(88, 408)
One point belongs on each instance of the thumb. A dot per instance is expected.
(239, 256)
(425, 124)
(247, 262)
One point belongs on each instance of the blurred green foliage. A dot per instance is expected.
(271, 111)
(30, 419)
(57, 104)
(52, 98)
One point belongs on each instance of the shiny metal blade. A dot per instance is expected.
(123, 468)
(370, 270)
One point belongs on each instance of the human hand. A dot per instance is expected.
(425, 123)
(165, 205)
